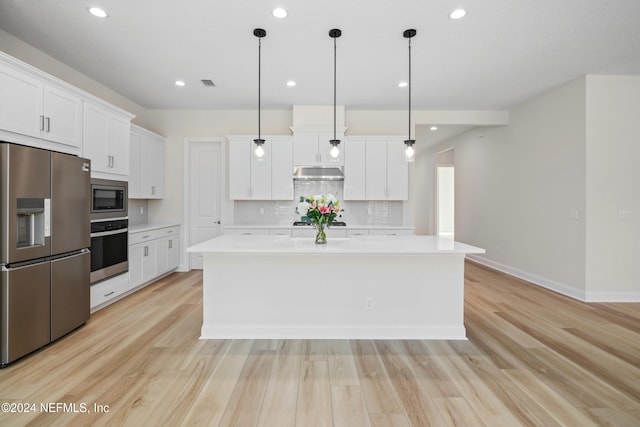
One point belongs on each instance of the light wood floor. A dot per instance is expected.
(533, 358)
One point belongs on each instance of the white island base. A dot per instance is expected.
(360, 288)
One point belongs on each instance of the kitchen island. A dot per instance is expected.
(369, 287)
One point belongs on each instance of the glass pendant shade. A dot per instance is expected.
(259, 151)
(409, 152)
(335, 152)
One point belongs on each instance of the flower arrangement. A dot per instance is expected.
(321, 211)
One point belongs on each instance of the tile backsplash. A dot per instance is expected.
(266, 212)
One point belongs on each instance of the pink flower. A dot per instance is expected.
(324, 209)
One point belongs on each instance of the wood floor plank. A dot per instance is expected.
(342, 367)
(625, 377)
(281, 396)
(214, 397)
(245, 402)
(389, 420)
(457, 412)
(379, 394)
(560, 409)
(349, 409)
(314, 395)
(417, 404)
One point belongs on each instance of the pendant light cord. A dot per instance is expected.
(334, 87)
(409, 88)
(259, 84)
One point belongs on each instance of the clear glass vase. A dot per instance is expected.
(321, 235)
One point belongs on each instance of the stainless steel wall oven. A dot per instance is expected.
(109, 229)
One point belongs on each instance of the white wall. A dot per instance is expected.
(517, 185)
(613, 187)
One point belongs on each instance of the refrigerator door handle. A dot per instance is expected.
(47, 217)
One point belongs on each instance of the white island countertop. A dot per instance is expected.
(360, 245)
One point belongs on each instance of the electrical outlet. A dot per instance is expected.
(141, 210)
(369, 303)
(261, 211)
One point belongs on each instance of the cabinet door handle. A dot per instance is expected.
(153, 189)
(48, 120)
(170, 244)
(42, 123)
(146, 251)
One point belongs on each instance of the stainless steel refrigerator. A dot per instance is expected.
(44, 239)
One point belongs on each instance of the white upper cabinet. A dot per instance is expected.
(282, 169)
(375, 169)
(106, 141)
(355, 170)
(397, 172)
(146, 158)
(312, 148)
(269, 178)
(34, 107)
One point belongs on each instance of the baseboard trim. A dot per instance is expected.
(558, 287)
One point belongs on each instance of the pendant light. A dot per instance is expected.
(335, 151)
(409, 152)
(259, 151)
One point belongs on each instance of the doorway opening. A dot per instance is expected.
(445, 200)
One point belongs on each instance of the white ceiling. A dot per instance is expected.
(501, 53)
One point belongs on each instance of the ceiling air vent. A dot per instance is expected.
(208, 83)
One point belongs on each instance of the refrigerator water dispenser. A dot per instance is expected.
(32, 222)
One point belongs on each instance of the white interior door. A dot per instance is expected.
(205, 198)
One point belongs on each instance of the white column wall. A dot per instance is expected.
(613, 188)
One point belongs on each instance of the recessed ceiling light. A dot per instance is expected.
(457, 14)
(434, 128)
(291, 83)
(96, 11)
(279, 13)
(403, 84)
(180, 83)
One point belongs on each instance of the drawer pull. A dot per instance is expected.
(110, 293)
(146, 237)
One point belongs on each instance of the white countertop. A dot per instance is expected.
(361, 245)
(337, 227)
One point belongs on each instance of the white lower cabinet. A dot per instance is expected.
(153, 253)
(108, 291)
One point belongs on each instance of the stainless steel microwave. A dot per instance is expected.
(108, 199)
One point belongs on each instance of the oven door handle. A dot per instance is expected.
(110, 233)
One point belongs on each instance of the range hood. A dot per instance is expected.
(318, 173)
